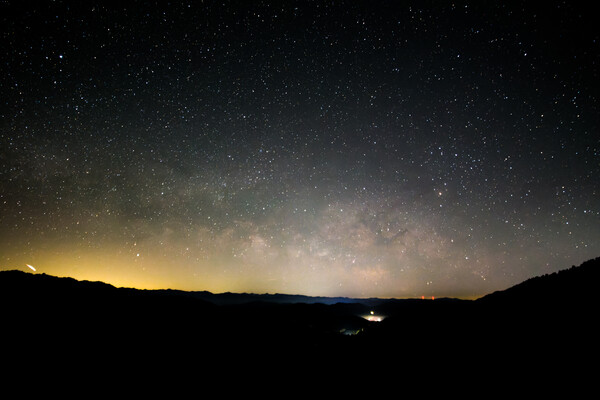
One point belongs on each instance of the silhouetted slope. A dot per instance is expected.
(572, 286)
(557, 306)
(50, 318)
(548, 321)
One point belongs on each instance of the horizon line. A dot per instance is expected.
(417, 297)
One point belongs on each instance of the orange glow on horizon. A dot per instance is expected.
(147, 266)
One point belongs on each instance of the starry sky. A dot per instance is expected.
(332, 148)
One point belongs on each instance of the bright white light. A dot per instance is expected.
(33, 269)
(373, 317)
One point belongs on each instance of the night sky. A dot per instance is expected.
(332, 148)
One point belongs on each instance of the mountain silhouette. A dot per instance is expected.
(570, 286)
(553, 307)
(537, 322)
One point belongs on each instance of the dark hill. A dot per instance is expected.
(574, 286)
(554, 307)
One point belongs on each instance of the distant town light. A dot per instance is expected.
(373, 317)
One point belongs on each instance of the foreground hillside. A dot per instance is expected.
(50, 319)
(575, 285)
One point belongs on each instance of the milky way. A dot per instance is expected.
(389, 149)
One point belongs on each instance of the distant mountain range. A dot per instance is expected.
(9, 280)
(576, 283)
